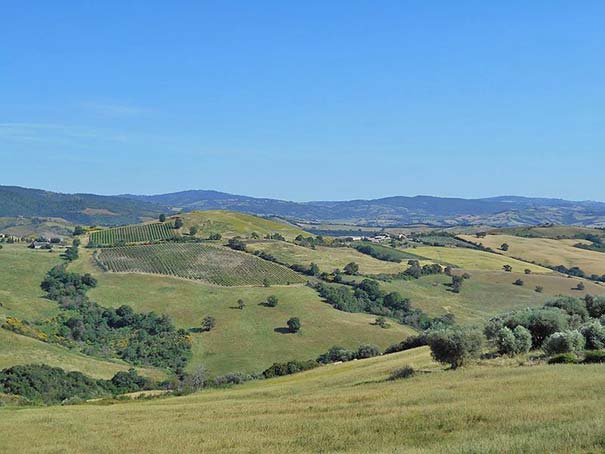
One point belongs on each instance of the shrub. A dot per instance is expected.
(570, 305)
(272, 301)
(236, 378)
(409, 343)
(539, 289)
(519, 282)
(290, 367)
(455, 346)
(367, 351)
(208, 323)
(570, 341)
(595, 306)
(294, 325)
(513, 342)
(594, 333)
(336, 354)
(402, 373)
(596, 356)
(563, 358)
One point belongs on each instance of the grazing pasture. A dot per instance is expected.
(470, 259)
(547, 251)
(327, 258)
(137, 233)
(208, 263)
(348, 407)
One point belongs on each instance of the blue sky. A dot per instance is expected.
(305, 100)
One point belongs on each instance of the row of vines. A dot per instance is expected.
(133, 234)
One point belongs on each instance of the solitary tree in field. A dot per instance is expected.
(351, 268)
(504, 247)
(507, 268)
(527, 271)
(272, 301)
(178, 223)
(254, 236)
(382, 322)
(539, 289)
(162, 217)
(580, 286)
(294, 325)
(455, 346)
(208, 323)
(241, 304)
(519, 282)
(193, 230)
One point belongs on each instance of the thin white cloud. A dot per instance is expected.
(117, 109)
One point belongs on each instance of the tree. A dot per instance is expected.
(314, 269)
(241, 304)
(455, 346)
(539, 289)
(272, 301)
(214, 236)
(382, 322)
(162, 217)
(580, 286)
(193, 230)
(507, 268)
(570, 341)
(527, 271)
(595, 306)
(367, 351)
(457, 283)
(254, 236)
(78, 230)
(519, 282)
(513, 342)
(504, 247)
(294, 325)
(178, 223)
(208, 323)
(395, 301)
(266, 282)
(351, 268)
(594, 333)
(237, 244)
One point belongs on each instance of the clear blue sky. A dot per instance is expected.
(305, 100)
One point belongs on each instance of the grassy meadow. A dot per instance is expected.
(470, 259)
(327, 258)
(348, 407)
(247, 340)
(547, 251)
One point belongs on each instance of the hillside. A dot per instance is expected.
(347, 407)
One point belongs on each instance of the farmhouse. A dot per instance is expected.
(41, 245)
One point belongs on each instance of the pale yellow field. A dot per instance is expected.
(471, 259)
(328, 258)
(348, 407)
(547, 251)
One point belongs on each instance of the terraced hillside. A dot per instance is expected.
(327, 258)
(212, 264)
(230, 224)
(349, 407)
(137, 233)
(547, 251)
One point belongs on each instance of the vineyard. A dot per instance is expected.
(132, 234)
(207, 263)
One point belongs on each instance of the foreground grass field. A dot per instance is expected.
(247, 340)
(16, 349)
(470, 259)
(342, 408)
(547, 251)
(327, 258)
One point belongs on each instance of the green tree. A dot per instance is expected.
(519, 282)
(314, 269)
(382, 322)
(570, 341)
(78, 230)
(351, 268)
(504, 247)
(455, 346)
(215, 236)
(241, 304)
(507, 268)
(272, 301)
(162, 217)
(193, 230)
(294, 325)
(178, 223)
(367, 351)
(208, 323)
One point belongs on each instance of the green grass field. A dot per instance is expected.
(547, 251)
(346, 407)
(230, 224)
(247, 340)
(470, 259)
(486, 293)
(21, 271)
(208, 263)
(327, 258)
(138, 233)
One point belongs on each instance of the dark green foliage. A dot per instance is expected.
(234, 378)
(396, 302)
(596, 356)
(208, 323)
(78, 230)
(294, 325)
(216, 237)
(59, 283)
(367, 351)
(513, 342)
(595, 306)
(241, 304)
(455, 346)
(272, 301)
(416, 271)
(71, 253)
(236, 244)
(563, 358)
(351, 268)
(519, 282)
(504, 247)
(309, 241)
(178, 223)
(402, 373)
(570, 305)
(193, 230)
(40, 383)
(380, 252)
(287, 368)
(541, 323)
(573, 271)
(336, 354)
(456, 284)
(409, 343)
(162, 217)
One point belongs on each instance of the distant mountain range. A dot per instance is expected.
(399, 210)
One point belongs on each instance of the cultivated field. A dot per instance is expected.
(212, 264)
(230, 224)
(327, 258)
(346, 407)
(547, 251)
(137, 233)
(470, 259)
